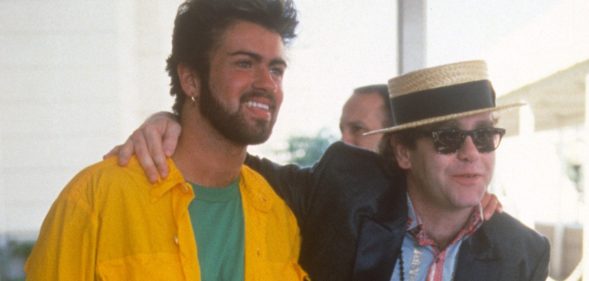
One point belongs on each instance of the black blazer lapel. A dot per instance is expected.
(478, 259)
(377, 249)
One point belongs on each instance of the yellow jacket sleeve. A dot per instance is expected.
(66, 247)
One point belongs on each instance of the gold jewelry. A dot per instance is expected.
(193, 99)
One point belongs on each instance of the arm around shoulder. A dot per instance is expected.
(523, 250)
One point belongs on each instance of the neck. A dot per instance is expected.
(204, 156)
(441, 224)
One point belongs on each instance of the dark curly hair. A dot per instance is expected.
(199, 25)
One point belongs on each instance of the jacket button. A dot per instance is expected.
(176, 241)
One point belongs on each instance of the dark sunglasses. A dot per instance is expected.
(447, 141)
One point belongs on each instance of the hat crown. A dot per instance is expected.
(441, 93)
(437, 77)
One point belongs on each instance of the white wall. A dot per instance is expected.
(76, 77)
(57, 68)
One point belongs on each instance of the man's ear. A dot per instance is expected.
(189, 80)
(402, 154)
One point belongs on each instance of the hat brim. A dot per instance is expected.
(443, 118)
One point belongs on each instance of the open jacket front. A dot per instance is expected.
(352, 213)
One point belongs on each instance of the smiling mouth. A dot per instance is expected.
(259, 110)
(468, 179)
(468, 175)
(258, 105)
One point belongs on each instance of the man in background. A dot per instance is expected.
(367, 109)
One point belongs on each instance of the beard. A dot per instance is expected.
(233, 126)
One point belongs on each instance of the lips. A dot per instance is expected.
(468, 178)
(260, 106)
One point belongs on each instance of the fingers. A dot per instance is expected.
(125, 152)
(155, 149)
(147, 145)
(491, 205)
(499, 208)
(142, 152)
(171, 136)
(162, 131)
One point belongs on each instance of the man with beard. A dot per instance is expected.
(212, 218)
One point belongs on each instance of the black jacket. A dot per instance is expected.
(352, 213)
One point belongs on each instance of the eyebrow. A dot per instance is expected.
(257, 57)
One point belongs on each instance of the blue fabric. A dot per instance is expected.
(418, 259)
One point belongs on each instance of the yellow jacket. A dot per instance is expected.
(110, 223)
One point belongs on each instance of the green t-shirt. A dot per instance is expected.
(217, 220)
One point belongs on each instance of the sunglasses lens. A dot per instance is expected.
(447, 141)
(487, 140)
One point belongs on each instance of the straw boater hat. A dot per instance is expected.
(440, 93)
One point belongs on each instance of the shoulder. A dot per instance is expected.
(255, 184)
(342, 155)
(504, 248)
(339, 158)
(354, 168)
(504, 225)
(108, 170)
(104, 177)
(355, 180)
(258, 192)
(512, 236)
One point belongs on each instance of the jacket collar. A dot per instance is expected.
(255, 187)
(251, 185)
(479, 258)
(380, 238)
(174, 179)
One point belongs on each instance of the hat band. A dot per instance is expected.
(442, 101)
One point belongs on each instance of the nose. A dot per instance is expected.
(265, 80)
(468, 151)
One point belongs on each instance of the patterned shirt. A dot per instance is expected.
(423, 260)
